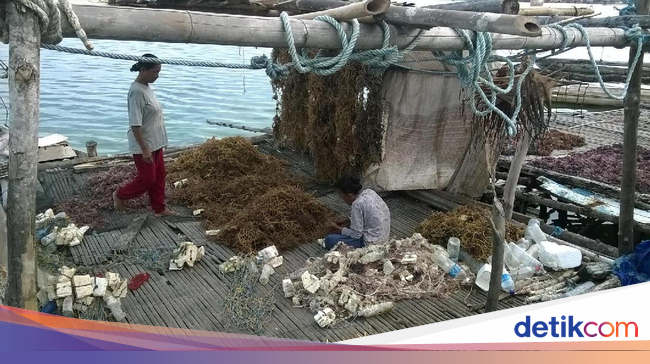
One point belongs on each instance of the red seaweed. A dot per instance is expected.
(603, 164)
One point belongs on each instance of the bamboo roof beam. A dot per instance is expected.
(176, 26)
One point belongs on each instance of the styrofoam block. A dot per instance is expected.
(559, 257)
(78, 281)
(100, 287)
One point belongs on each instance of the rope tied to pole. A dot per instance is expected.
(634, 34)
(49, 16)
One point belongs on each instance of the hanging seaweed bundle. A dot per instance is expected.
(336, 118)
(535, 111)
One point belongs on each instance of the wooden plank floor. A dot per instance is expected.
(192, 298)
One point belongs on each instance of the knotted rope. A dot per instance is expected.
(49, 16)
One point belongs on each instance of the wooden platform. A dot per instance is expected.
(191, 298)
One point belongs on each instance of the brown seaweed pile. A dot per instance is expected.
(550, 141)
(85, 210)
(603, 164)
(336, 118)
(468, 223)
(248, 195)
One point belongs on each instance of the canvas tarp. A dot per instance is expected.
(429, 141)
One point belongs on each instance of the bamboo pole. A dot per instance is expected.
(489, 6)
(607, 22)
(174, 26)
(546, 11)
(484, 22)
(351, 11)
(498, 224)
(631, 126)
(3, 237)
(24, 74)
(513, 174)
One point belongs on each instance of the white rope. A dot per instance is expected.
(49, 16)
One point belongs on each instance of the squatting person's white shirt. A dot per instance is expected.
(146, 112)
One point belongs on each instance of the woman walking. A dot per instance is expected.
(147, 139)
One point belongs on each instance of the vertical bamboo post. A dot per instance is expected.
(510, 189)
(498, 224)
(24, 79)
(91, 148)
(631, 125)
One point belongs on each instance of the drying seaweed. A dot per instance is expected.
(248, 195)
(468, 223)
(85, 210)
(336, 118)
(224, 176)
(550, 141)
(603, 164)
(284, 216)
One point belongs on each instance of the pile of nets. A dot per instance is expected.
(551, 141)
(603, 164)
(248, 195)
(469, 223)
(365, 282)
(85, 210)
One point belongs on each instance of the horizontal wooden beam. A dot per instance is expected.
(176, 26)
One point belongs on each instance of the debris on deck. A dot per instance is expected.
(83, 296)
(186, 254)
(347, 283)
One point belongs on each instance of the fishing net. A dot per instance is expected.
(336, 118)
(352, 282)
(469, 223)
(247, 308)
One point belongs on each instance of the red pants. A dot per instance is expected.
(150, 179)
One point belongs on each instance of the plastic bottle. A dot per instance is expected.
(115, 306)
(448, 265)
(526, 259)
(522, 273)
(509, 259)
(524, 243)
(507, 284)
(535, 231)
(533, 251)
(453, 249)
(581, 289)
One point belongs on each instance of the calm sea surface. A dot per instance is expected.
(84, 97)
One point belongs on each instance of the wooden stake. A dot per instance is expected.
(498, 224)
(3, 237)
(513, 174)
(24, 80)
(631, 120)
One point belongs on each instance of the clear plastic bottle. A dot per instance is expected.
(522, 273)
(526, 259)
(524, 243)
(581, 289)
(533, 251)
(507, 284)
(453, 249)
(535, 231)
(509, 259)
(449, 266)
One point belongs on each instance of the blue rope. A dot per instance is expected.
(634, 34)
(469, 70)
(630, 9)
